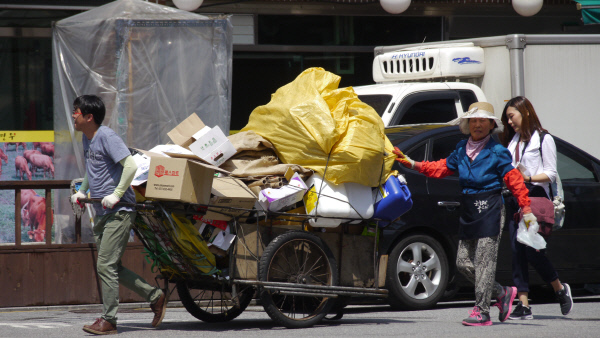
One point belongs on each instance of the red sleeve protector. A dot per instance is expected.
(437, 169)
(514, 182)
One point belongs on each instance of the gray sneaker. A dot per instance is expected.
(521, 312)
(477, 318)
(565, 299)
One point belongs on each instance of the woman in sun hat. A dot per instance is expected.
(483, 165)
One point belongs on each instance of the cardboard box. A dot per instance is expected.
(142, 160)
(212, 146)
(276, 199)
(178, 179)
(229, 192)
(206, 144)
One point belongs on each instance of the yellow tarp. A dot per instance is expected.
(311, 119)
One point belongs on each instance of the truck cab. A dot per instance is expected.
(405, 94)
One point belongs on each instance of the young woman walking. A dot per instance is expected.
(533, 150)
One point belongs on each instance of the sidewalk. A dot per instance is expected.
(94, 307)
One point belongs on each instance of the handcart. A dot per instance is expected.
(299, 276)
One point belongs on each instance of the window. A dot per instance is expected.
(467, 97)
(426, 107)
(433, 111)
(444, 146)
(378, 102)
(572, 167)
(26, 87)
(417, 154)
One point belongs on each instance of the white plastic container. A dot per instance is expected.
(348, 200)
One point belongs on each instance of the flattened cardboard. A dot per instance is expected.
(182, 134)
(229, 192)
(207, 144)
(177, 179)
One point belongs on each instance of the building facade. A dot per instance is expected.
(274, 40)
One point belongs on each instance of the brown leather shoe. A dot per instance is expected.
(159, 308)
(97, 320)
(101, 326)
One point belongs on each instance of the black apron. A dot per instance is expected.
(481, 215)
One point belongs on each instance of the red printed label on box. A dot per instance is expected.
(160, 171)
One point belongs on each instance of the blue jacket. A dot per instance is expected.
(486, 172)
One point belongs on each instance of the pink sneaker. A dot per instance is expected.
(505, 302)
(477, 318)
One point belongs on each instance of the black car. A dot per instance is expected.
(422, 244)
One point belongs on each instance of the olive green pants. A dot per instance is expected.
(111, 232)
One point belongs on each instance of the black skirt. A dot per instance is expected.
(481, 215)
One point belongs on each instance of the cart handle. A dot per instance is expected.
(146, 205)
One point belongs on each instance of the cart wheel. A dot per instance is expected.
(214, 306)
(303, 258)
(338, 308)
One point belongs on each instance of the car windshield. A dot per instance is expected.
(378, 102)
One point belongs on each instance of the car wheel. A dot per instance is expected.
(417, 274)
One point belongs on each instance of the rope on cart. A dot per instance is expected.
(155, 241)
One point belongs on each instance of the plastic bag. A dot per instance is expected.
(191, 245)
(559, 213)
(313, 123)
(529, 236)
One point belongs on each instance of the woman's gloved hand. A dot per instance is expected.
(403, 159)
(529, 218)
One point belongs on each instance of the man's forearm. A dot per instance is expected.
(129, 169)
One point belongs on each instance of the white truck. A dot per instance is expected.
(435, 82)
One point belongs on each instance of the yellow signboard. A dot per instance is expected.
(26, 135)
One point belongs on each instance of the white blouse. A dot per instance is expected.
(532, 160)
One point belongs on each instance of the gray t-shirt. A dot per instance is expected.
(102, 155)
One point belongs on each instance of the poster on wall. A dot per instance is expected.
(25, 156)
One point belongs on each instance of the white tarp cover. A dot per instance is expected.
(152, 65)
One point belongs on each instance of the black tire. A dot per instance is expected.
(451, 292)
(214, 306)
(311, 263)
(417, 273)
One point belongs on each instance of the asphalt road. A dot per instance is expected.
(358, 321)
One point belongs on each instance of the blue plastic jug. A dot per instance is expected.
(393, 199)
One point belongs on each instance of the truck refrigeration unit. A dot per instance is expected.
(436, 82)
